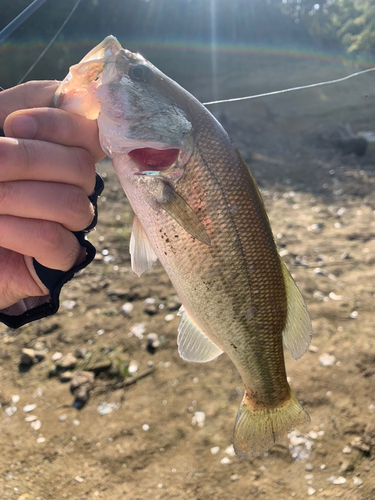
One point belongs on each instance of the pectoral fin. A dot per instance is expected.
(193, 345)
(297, 331)
(141, 252)
(182, 213)
(175, 205)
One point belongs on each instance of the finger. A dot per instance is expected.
(49, 243)
(57, 126)
(50, 201)
(22, 159)
(26, 96)
(18, 278)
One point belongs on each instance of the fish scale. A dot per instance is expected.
(201, 213)
(232, 254)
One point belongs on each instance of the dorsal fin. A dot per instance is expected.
(142, 254)
(193, 345)
(297, 331)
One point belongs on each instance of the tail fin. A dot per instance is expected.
(255, 431)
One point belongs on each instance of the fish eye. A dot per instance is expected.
(140, 72)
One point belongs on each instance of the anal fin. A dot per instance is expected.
(193, 345)
(141, 252)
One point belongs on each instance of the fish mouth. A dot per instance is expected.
(155, 160)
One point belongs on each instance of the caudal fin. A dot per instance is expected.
(255, 431)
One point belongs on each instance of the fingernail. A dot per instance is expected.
(24, 127)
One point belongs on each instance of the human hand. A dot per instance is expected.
(47, 172)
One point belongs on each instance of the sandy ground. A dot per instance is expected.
(149, 443)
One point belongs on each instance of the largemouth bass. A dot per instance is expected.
(198, 210)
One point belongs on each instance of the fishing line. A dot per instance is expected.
(17, 21)
(275, 92)
(51, 42)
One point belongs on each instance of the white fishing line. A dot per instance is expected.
(275, 92)
(51, 42)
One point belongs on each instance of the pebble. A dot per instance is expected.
(313, 348)
(336, 480)
(138, 330)
(225, 461)
(320, 272)
(145, 427)
(333, 296)
(169, 317)
(15, 399)
(339, 480)
(309, 467)
(31, 357)
(10, 411)
(230, 451)
(299, 445)
(39, 345)
(357, 481)
(67, 362)
(31, 418)
(36, 425)
(62, 418)
(68, 304)
(360, 445)
(66, 376)
(151, 309)
(117, 294)
(133, 367)
(198, 418)
(346, 466)
(173, 306)
(41, 439)
(81, 385)
(327, 359)
(316, 227)
(215, 450)
(354, 314)
(347, 450)
(310, 491)
(318, 295)
(111, 311)
(150, 301)
(78, 479)
(127, 308)
(56, 356)
(153, 342)
(234, 477)
(29, 408)
(81, 353)
(105, 408)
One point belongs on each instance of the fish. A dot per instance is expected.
(198, 210)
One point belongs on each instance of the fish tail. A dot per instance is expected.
(256, 430)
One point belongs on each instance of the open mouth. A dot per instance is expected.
(154, 159)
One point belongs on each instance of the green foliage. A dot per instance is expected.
(348, 24)
(358, 31)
